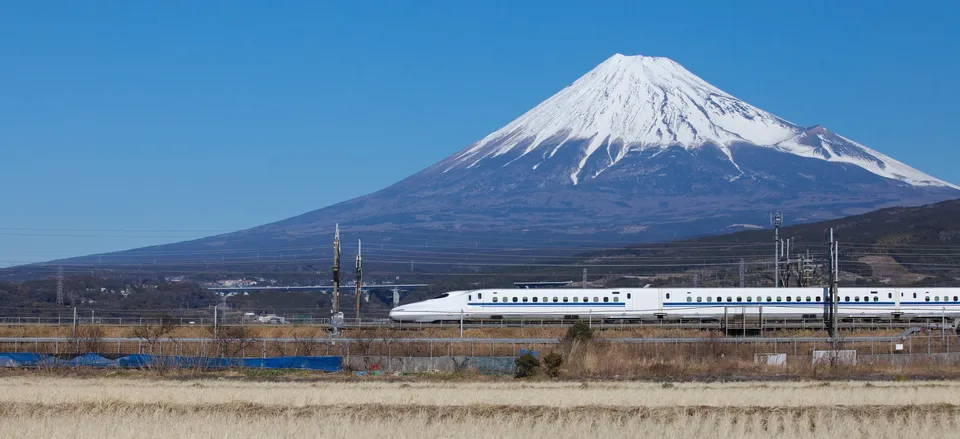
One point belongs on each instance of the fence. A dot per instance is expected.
(245, 346)
(732, 327)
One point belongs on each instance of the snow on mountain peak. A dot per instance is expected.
(647, 102)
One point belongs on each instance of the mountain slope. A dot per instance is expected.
(638, 149)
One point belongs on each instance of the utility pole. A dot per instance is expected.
(584, 277)
(359, 279)
(59, 286)
(785, 273)
(777, 220)
(336, 271)
(831, 319)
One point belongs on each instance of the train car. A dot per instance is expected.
(679, 303)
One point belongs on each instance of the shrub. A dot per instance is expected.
(579, 331)
(527, 366)
(553, 361)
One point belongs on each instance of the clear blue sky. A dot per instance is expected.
(131, 123)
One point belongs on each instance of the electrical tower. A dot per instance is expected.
(359, 279)
(832, 319)
(59, 286)
(742, 272)
(777, 220)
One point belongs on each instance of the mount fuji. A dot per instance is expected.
(637, 149)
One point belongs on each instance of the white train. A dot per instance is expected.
(678, 303)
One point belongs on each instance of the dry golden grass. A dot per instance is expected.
(115, 408)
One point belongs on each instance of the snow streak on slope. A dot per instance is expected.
(820, 143)
(651, 102)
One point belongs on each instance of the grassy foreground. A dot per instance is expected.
(109, 408)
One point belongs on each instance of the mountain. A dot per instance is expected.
(638, 149)
(896, 246)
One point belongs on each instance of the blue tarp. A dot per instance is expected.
(325, 364)
(330, 363)
(89, 360)
(22, 359)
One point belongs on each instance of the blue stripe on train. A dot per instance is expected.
(548, 304)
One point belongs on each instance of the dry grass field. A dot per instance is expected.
(49, 407)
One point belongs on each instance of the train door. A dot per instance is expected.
(660, 293)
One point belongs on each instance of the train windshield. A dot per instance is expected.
(442, 296)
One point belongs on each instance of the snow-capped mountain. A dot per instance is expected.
(638, 149)
(636, 103)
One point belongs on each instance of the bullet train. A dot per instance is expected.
(680, 304)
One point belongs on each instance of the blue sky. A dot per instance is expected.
(131, 123)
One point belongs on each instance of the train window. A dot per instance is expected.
(818, 298)
(914, 295)
(479, 296)
(524, 300)
(927, 298)
(514, 300)
(616, 292)
(729, 299)
(469, 297)
(719, 299)
(709, 299)
(596, 299)
(534, 300)
(565, 300)
(699, 299)
(749, 299)
(555, 300)
(617, 299)
(576, 299)
(586, 299)
(545, 300)
(494, 299)
(846, 299)
(769, 299)
(856, 298)
(873, 292)
(955, 299)
(876, 299)
(628, 295)
(778, 298)
(936, 299)
(889, 295)
(808, 298)
(798, 298)
(668, 295)
(788, 298)
(689, 299)
(759, 299)
(606, 299)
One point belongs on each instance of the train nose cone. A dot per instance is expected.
(394, 313)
